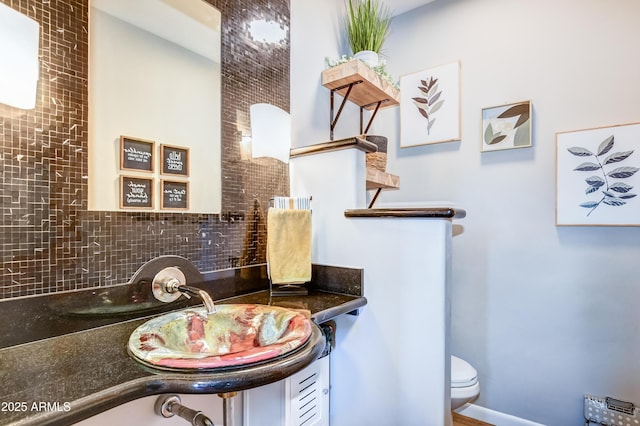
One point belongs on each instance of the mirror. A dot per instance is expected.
(154, 106)
(51, 242)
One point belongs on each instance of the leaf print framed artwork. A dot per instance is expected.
(430, 106)
(597, 176)
(506, 127)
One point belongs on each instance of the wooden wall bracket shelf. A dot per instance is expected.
(380, 180)
(358, 83)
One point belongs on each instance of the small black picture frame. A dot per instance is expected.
(175, 160)
(174, 195)
(136, 154)
(136, 192)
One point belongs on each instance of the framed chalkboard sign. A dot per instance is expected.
(136, 154)
(175, 160)
(136, 192)
(175, 195)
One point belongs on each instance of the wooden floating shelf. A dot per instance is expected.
(381, 180)
(369, 92)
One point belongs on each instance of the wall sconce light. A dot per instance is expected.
(270, 132)
(19, 66)
(267, 31)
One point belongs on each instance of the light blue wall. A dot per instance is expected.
(545, 313)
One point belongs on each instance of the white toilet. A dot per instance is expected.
(464, 382)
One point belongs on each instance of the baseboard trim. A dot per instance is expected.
(494, 417)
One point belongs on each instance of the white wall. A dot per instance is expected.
(316, 33)
(545, 313)
(391, 363)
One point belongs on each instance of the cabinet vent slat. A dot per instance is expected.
(307, 420)
(311, 376)
(305, 399)
(308, 402)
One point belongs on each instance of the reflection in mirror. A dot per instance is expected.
(50, 242)
(154, 75)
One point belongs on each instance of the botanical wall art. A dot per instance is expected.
(597, 179)
(430, 106)
(506, 126)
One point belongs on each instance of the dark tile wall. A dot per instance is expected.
(50, 242)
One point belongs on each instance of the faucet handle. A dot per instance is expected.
(166, 283)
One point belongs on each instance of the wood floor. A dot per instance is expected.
(460, 420)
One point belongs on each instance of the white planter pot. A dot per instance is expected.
(369, 57)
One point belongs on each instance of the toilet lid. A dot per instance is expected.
(462, 373)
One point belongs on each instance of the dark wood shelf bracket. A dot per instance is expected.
(373, 115)
(334, 121)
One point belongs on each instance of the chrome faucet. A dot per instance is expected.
(170, 283)
(189, 291)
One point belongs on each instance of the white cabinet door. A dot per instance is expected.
(299, 400)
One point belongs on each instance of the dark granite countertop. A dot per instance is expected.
(63, 379)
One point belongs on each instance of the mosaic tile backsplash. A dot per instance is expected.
(50, 242)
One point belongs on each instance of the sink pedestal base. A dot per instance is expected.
(227, 407)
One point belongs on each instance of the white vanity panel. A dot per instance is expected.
(391, 364)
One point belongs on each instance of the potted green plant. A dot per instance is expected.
(368, 24)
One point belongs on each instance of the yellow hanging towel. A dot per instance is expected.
(289, 245)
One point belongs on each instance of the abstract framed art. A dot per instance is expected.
(430, 106)
(506, 126)
(596, 177)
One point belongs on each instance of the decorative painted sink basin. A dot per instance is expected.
(236, 335)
